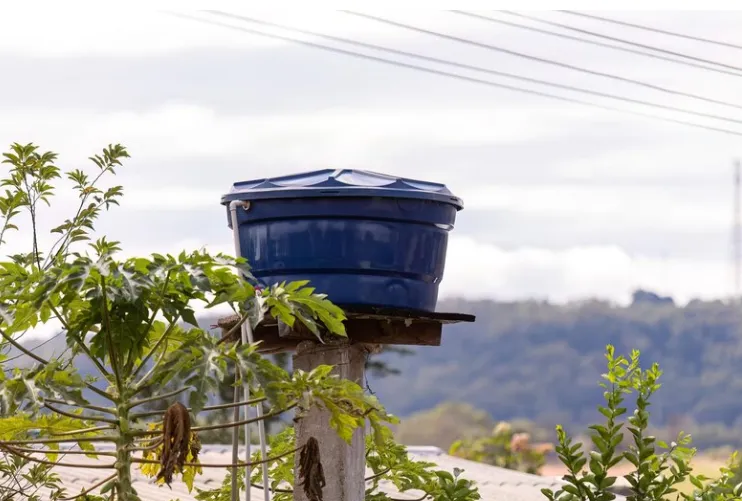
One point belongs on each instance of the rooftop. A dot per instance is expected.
(495, 484)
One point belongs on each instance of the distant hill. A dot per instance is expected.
(540, 361)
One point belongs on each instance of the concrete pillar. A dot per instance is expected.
(344, 466)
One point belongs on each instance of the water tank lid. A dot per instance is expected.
(340, 183)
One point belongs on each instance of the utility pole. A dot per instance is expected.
(737, 231)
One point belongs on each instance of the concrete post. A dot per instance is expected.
(344, 465)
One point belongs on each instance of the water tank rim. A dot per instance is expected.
(349, 192)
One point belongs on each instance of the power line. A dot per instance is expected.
(736, 231)
(595, 42)
(475, 68)
(621, 40)
(656, 30)
(20, 355)
(517, 54)
(457, 76)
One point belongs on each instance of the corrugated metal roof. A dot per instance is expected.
(495, 484)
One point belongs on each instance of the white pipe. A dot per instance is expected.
(235, 439)
(247, 337)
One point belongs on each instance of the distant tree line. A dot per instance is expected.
(537, 361)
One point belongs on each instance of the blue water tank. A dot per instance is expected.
(362, 238)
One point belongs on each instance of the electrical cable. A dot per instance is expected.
(478, 68)
(20, 355)
(513, 53)
(595, 42)
(457, 76)
(622, 40)
(655, 30)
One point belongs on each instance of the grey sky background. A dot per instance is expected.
(561, 201)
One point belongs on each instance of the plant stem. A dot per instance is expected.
(139, 415)
(123, 457)
(13, 475)
(18, 453)
(224, 465)
(378, 475)
(155, 445)
(6, 223)
(32, 211)
(236, 440)
(100, 392)
(422, 498)
(63, 239)
(151, 352)
(20, 347)
(112, 352)
(84, 430)
(81, 344)
(222, 426)
(107, 410)
(235, 328)
(244, 421)
(49, 451)
(142, 401)
(77, 416)
(142, 383)
(149, 326)
(16, 357)
(89, 489)
(57, 440)
(283, 491)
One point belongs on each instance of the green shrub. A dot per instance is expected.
(659, 468)
(504, 447)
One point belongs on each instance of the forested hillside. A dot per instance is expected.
(541, 362)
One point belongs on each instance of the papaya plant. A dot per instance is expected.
(134, 320)
(387, 460)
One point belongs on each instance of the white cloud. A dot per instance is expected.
(475, 269)
(674, 162)
(134, 31)
(481, 129)
(171, 198)
(478, 270)
(116, 32)
(41, 331)
(363, 135)
(637, 206)
(342, 137)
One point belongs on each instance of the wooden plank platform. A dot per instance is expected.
(365, 324)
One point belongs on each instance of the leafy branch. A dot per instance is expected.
(659, 468)
(134, 319)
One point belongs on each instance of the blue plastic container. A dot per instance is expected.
(360, 237)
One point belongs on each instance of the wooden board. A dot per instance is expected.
(368, 325)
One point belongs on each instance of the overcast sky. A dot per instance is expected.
(562, 201)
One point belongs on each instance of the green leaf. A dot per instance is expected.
(695, 481)
(189, 316)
